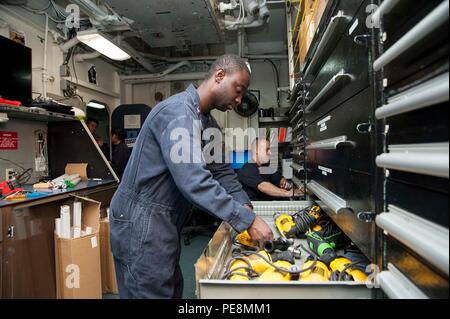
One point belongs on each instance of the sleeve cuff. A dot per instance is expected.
(242, 198)
(242, 220)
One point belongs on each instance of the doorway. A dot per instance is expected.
(100, 112)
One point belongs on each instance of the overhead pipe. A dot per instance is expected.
(44, 66)
(66, 46)
(98, 14)
(147, 78)
(247, 22)
(174, 68)
(211, 58)
(134, 54)
(81, 57)
(180, 59)
(266, 56)
(158, 75)
(254, 8)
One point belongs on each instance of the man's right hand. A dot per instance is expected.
(259, 231)
(299, 192)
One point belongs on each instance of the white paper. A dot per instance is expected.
(65, 222)
(132, 121)
(58, 227)
(77, 214)
(76, 232)
(94, 241)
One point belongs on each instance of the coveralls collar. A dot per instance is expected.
(195, 98)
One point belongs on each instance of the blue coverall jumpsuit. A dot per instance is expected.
(152, 202)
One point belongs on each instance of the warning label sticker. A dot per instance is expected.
(9, 141)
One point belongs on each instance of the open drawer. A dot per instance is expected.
(210, 267)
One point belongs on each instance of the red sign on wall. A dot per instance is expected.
(9, 141)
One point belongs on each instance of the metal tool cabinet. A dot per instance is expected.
(370, 119)
(412, 77)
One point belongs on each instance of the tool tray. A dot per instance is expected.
(210, 268)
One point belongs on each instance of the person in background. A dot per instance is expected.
(264, 187)
(120, 152)
(159, 97)
(92, 125)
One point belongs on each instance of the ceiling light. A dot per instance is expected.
(96, 105)
(103, 45)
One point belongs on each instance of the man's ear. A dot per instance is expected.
(219, 76)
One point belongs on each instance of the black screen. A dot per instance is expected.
(15, 70)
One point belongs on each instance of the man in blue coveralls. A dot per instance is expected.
(151, 205)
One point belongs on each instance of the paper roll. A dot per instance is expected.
(75, 181)
(58, 227)
(59, 179)
(77, 208)
(76, 232)
(65, 222)
(72, 178)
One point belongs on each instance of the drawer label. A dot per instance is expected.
(354, 26)
(325, 170)
(324, 121)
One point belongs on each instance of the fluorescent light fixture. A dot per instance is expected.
(96, 105)
(103, 45)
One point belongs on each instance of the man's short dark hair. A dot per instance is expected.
(90, 120)
(230, 63)
(119, 133)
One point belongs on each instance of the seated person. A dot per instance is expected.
(264, 187)
(120, 152)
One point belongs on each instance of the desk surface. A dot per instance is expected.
(82, 186)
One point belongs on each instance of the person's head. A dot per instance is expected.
(228, 79)
(117, 136)
(159, 97)
(92, 125)
(261, 151)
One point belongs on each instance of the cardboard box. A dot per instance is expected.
(109, 282)
(309, 26)
(77, 261)
(77, 168)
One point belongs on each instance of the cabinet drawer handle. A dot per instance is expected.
(297, 116)
(330, 199)
(427, 239)
(331, 144)
(297, 182)
(424, 28)
(339, 79)
(298, 168)
(330, 37)
(396, 286)
(427, 94)
(426, 159)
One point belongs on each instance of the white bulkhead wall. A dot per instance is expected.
(33, 26)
